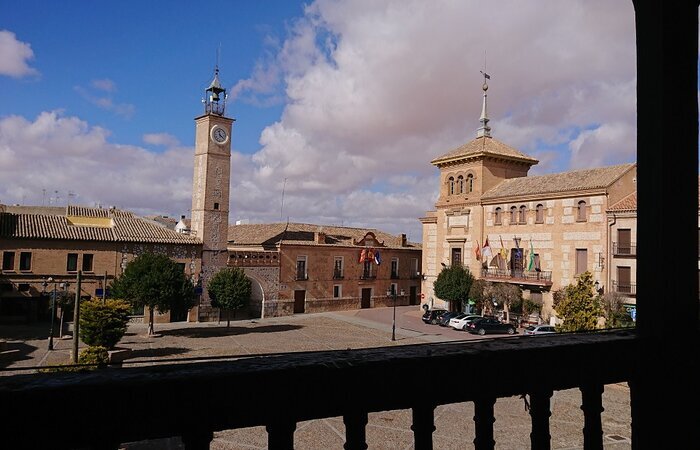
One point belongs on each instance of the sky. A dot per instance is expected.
(340, 105)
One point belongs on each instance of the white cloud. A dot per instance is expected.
(376, 89)
(59, 153)
(125, 110)
(164, 139)
(14, 56)
(104, 84)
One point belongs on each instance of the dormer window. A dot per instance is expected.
(460, 184)
(451, 186)
(470, 183)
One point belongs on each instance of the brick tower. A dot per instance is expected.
(210, 189)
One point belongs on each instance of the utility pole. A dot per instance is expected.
(76, 319)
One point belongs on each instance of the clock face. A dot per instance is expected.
(219, 135)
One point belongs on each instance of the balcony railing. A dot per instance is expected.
(337, 274)
(624, 249)
(624, 288)
(394, 275)
(301, 276)
(518, 276)
(368, 276)
(236, 394)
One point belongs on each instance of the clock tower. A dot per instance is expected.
(210, 189)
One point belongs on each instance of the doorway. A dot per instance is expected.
(412, 296)
(299, 301)
(366, 297)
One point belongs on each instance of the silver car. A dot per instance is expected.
(539, 329)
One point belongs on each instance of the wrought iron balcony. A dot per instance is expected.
(539, 278)
(624, 288)
(301, 276)
(624, 249)
(337, 274)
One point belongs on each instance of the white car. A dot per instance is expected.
(540, 329)
(460, 322)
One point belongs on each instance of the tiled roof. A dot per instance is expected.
(483, 146)
(579, 180)
(301, 233)
(628, 203)
(55, 224)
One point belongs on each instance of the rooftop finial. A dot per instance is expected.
(484, 130)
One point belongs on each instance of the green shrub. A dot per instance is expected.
(103, 324)
(97, 355)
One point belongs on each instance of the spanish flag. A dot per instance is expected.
(477, 251)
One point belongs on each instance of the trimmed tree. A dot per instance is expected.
(506, 295)
(154, 281)
(103, 324)
(453, 284)
(579, 305)
(230, 289)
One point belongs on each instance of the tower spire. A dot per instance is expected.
(484, 130)
(213, 101)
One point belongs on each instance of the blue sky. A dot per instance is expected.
(348, 101)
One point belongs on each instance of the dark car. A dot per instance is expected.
(432, 316)
(490, 325)
(445, 318)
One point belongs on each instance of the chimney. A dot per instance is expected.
(403, 239)
(320, 237)
(182, 217)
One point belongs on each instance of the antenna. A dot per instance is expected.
(43, 197)
(282, 206)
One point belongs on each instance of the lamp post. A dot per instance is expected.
(391, 292)
(53, 309)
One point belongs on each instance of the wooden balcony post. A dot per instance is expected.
(483, 423)
(280, 435)
(355, 430)
(592, 407)
(197, 439)
(540, 412)
(423, 426)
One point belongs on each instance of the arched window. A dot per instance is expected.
(581, 213)
(539, 213)
(523, 214)
(498, 216)
(470, 183)
(451, 186)
(460, 184)
(513, 215)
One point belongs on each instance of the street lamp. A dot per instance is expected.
(53, 308)
(391, 292)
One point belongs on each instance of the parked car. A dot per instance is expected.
(491, 326)
(445, 318)
(539, 329)
(432, 316)
(463, 322)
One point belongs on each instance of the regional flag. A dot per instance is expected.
(486, 251)
(363, 255)
(377, 258)
(531, 262)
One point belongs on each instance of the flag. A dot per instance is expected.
(504, 252)
(363, 255)
(370, 255)
(477, 251)
(486, 251)
(531, 263)
(377, 258)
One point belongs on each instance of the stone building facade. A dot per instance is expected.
(541, 231)
(38, 243)
(303, 268)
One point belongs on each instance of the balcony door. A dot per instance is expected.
(624, 280)
(624, 242)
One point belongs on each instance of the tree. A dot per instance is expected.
(616, 315)
(229, 289)
(478, 293)
(155, 281)
(103, 324)
(579, 305)
(506, 294)
(453, 284)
